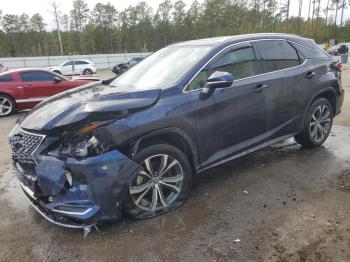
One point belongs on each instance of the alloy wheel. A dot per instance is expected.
(320, 124)
(158, 184)
(5, 106)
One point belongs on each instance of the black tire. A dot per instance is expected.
(4, 110)
(308, 137)
(87, 72)
(153, 152)
(57, 72)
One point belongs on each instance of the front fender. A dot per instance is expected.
(169, 130)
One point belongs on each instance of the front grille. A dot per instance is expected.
(23, 145)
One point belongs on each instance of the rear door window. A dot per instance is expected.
(276, 55)
(36, 76)
(78, 62)
(6, 79)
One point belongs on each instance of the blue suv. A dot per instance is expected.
(131, 145)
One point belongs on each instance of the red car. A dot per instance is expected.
(25, 88)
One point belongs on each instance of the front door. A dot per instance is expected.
(232, 119)
(38, 85)
(68, 68)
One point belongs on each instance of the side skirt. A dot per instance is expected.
(251, 150)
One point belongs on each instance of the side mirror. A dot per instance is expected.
(218, 79)
(57, 79)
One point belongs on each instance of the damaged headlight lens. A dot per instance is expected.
(83, 149)
(83, 142)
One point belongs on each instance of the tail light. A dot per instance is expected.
(338, 66)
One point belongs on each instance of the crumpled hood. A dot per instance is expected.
(92, 102)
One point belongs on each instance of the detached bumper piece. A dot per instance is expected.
(78, 193)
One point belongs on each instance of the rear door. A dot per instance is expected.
(287, 78)
(80, 66)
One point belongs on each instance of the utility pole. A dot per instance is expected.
(299, 14)
(327, 12)
(335, 19)
(287, 15)
(341, 20)
(55, 13)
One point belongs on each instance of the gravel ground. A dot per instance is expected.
(283, 203)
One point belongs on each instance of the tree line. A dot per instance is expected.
(139, 28)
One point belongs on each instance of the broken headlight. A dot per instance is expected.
(82, 143)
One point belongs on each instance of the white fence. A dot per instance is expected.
(103, 61)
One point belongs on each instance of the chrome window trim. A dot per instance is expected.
(237, 44)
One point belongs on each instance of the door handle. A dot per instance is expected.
(310, 75)
(259, 88)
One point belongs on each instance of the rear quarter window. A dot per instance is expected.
(310, 53)
(6, 78)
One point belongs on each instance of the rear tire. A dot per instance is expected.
(162, 185)
(87, 72)
(318, 124)
(7, 105)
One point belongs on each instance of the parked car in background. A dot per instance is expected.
(333, 50)
(25, 88)
(338, 50)
(3, 68)
(122, 67)
(133, 146)
(75, 67)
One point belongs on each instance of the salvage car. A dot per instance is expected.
(75, 67)
(122, 67)
(132, 145)
(25, 88)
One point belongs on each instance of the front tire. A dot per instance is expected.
(318, 124)
(161, 186)
(7, 105)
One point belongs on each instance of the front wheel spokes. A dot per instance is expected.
(144, 173)
(161, 197)
(142, 196)
(171, 165)
(173, 179)
(149, 166)
(173, 187)
(139, 189)
(154, 202)
(163, 164)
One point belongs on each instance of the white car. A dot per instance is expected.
(75, 67)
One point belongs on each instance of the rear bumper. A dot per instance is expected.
(78, 193)
(340, 101)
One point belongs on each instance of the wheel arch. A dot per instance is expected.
(328, 93)
(173, 136)
(9, 95)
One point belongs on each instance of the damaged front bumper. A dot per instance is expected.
(77, 193)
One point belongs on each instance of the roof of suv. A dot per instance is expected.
(215, 41)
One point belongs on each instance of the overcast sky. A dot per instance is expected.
(43, 6)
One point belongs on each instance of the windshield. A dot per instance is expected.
(163, 69)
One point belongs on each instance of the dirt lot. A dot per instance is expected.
(283, 203)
